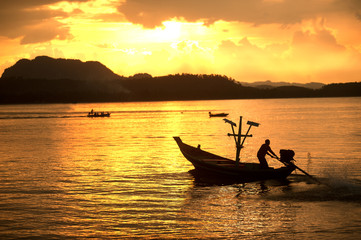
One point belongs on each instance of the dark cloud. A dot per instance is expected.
(31, 20)
(152, 13)
(358, 15)
(45, 32)
(23, 4)
(352, 6)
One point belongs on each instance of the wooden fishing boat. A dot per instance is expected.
(217, 114)
(223, 168)
(220, 167)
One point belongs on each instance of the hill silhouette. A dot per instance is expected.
(48, 80)
(186, 87)
(269, 84)
(44, 67)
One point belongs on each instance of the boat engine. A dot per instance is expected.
(287, 156)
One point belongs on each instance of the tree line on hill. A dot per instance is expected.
(171, 87)
(48, 80)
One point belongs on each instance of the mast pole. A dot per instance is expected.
(238, 137)
(246, 135)
(238, 143)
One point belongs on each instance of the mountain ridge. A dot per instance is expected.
(48, 80)
(44, 67)
(269, 84)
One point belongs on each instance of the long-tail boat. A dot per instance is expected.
(221, 167)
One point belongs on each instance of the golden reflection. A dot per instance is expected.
(247, 214)
(124, 176)
(117, 162)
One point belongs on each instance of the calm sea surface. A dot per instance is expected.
(66, 176)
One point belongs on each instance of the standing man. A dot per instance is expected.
(263, 150)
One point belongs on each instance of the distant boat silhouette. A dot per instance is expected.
(98, 114)
(218, 114)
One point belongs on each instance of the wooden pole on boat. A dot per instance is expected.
(244, 139)
(238, 145)
(232, 126)
(234, 134)
(238, 137)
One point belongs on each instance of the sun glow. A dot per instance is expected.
(173, 28)
(170, 32)
(138, 36)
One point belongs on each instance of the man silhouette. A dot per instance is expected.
(263, 150)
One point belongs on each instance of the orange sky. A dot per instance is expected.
(258, 40)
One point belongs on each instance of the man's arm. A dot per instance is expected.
(270, 150)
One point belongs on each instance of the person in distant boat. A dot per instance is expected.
(263, 150)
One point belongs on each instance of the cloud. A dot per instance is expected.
(45, 31)
(153, 13)
(245, 61)
(249, 40)
(33, 21)
(313, 55)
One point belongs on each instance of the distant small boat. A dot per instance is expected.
(218, 114)
(98, 114)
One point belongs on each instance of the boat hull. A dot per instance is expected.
(218, 114)
(216, 166)
(95, 114)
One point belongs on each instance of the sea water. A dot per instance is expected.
(66, 176)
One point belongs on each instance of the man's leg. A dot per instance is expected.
(263, 162)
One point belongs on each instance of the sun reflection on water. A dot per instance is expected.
(124, 176)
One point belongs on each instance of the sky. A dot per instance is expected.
(247, 40)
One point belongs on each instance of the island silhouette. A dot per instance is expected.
(48, 80)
